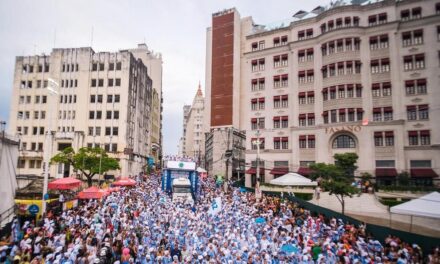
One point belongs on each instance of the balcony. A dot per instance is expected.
(342, 103)
(341, 56)
(342, 79)
(31, 154)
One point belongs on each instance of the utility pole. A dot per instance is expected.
(228, 155)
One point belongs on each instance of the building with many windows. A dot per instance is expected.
(193, 143)
(101, 99)
(343, 78)
(182, 141)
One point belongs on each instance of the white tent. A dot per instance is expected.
(200, 170)
(293, 179)
(427, 206)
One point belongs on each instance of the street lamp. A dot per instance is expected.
(257, 185)
(52, 89)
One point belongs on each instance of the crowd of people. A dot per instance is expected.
(143, 225)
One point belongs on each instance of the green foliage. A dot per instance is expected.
(392, 202)
(403, 178)
(365, 176)
(337, 178)
(408, 188)
(346, 162)
(324, 171)
(89, 161)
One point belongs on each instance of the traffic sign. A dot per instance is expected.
(33, 209)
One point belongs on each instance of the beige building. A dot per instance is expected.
(194, 138)
(182, 144)
(343, 78)
(105, 99)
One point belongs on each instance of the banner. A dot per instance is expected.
(216, 206)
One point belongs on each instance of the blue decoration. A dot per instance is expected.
(260, 220)
(289, 249)
(33, 209)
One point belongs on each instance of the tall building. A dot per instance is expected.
(153, 62)
(350, 77)
(194, 137)
(103, 99)
(223, 75)
(182, 144)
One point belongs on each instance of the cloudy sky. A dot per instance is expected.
(176, 28)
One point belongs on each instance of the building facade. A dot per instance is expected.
(344, 78)
(182, 141)
(101, 99)
(193, 129)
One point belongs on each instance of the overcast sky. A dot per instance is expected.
(175, 28)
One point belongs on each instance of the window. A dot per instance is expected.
(420, 164)
(117, 82)
(377, 114)
(94, 66)
(385, 164)
(108, 115)
(258, 65)
(111, 66)
(311, 97)
(110, 82)
(92, 98)
(311, 119)
(378, 139)
(302, 120)
(344, 141)
(276, 122)
(423, 112)
(101, 66)
(118, 66)
(389, 138)
(333, 116)
(284, 121)
(387, 113)
(115, 114)
(413, 138)
(419, 61)
(117, 98)
(93, 84)
(254, 143)
(108, 131)
(100, 82)
(302, 141)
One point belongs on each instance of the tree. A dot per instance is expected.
(90, 161)
(337, 178)
(346, 162)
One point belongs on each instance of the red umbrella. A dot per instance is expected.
(92, 193)
(64, 184)
(125, 182)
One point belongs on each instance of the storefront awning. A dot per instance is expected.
(253, 170)
(423, 173)
(279, 170)
(305, 171)
(386, 172)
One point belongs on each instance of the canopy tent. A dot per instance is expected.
(92, 193)
(293, 179)
(64, 184)
(124, 182)
(201, 170)
(426, 206)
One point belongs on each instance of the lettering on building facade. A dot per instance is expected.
(331, 130)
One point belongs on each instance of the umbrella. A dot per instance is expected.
(260, 220)
(92, 193)
(64, 184)
(289, 249)
(125, 182)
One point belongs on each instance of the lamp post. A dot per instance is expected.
(257, 143)
(52, 90)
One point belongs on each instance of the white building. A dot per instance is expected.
(194, 138)
(104, 99)
(344, 78)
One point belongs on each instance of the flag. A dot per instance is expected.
(365, 122)
(216, 206)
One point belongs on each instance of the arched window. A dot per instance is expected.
(344, 141)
